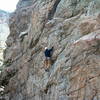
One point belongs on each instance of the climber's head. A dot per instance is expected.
(46, 48)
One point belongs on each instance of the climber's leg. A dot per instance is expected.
(49, 62)
(46, 64)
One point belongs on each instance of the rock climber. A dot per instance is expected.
(48, 61)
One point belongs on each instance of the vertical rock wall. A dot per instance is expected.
(73, 28)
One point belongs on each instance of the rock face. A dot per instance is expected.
(73, 28)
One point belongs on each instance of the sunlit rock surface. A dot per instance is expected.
(73, 28)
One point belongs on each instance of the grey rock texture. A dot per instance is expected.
(73, 28)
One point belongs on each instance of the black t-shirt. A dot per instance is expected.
(48, 52)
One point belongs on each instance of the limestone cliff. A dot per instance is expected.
(73, 28)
